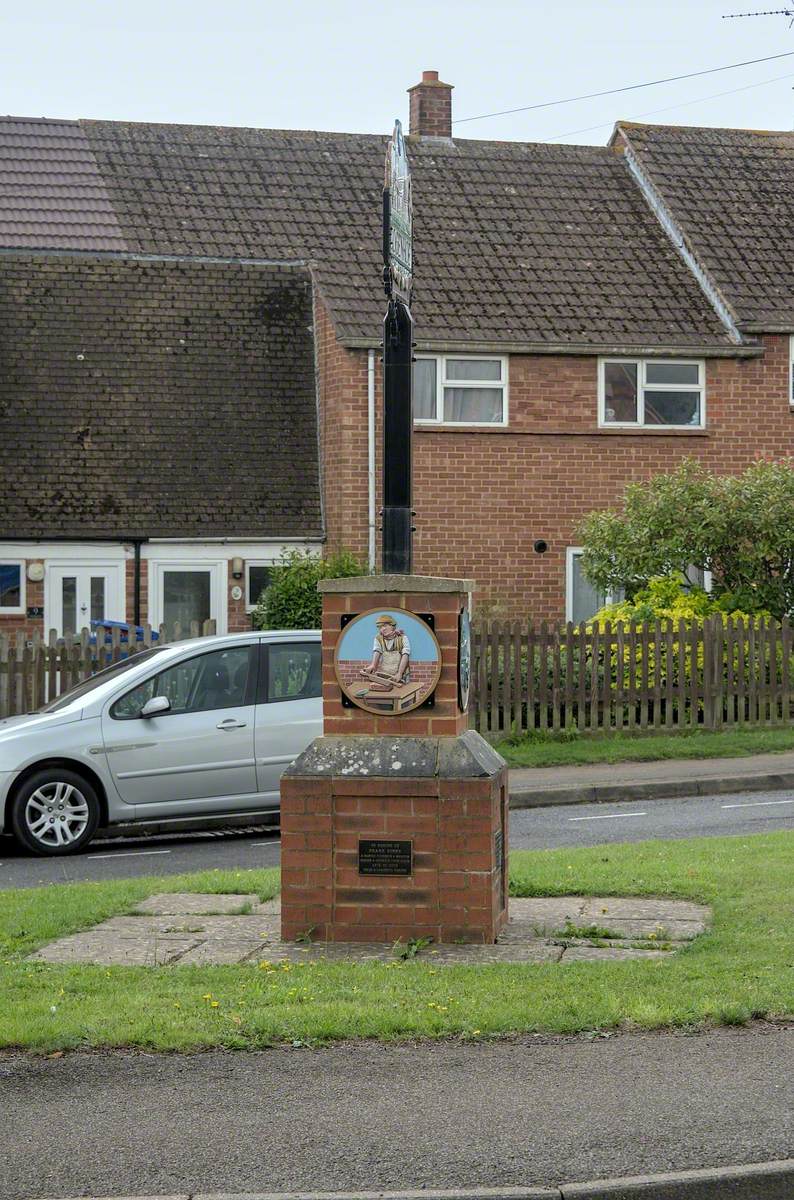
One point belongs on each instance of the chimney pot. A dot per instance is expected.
(430, 107)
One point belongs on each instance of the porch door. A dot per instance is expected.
(186, 591)
(80, 594)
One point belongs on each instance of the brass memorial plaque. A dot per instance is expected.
(384, 858)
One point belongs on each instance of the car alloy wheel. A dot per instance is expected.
(56, 812)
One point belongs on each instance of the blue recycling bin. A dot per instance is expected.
(124, 626)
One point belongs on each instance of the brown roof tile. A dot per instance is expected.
(51, 193)
(731, 193)
(156, 399)
(514, 243)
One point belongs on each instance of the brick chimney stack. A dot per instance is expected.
(431, 107)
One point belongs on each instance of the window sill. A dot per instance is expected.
(609, 431)
(652, 430)
(454, 427)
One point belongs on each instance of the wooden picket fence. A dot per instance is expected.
(34, 670)
(654, 676)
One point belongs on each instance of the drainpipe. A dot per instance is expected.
(371, 457)
(136, 582)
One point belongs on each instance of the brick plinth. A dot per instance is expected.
(457, 828)
(420, 778)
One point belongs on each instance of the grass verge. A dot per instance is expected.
(570, 748)
(742, 968)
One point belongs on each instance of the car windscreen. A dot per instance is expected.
(110, 673)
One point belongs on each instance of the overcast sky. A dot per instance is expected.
(346, 64)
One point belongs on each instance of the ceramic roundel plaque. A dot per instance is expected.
(387, 661)
(464, 659)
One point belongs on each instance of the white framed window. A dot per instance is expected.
(696, 577)
(791, 370)
(257, 578)
(651, 393)
(582, 600)
(457, 389)
(12, 587)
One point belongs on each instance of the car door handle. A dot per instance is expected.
(231, 723)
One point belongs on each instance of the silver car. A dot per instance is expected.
(196, 729)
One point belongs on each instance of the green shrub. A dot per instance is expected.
(738, 527)
(291, 600)
(666, 598)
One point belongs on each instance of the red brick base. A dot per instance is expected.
(458, 831)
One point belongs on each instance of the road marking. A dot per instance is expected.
(275, 842)
(608, 816)
(129, 854)
(757, 803)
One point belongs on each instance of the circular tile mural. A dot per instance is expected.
(387, 661)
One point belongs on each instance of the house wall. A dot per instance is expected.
(343, 437)
(231, 613)
(483, 496)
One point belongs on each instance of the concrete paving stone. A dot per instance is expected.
(264, 926)
(634, 927)
(546, 914)
(114, 953)
(650, 906)
(185, 937)
(179, 903)
(623, 943)
(606, 953)
(212, 954)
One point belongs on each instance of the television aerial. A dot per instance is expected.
(768, 12)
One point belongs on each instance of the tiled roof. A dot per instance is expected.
(156, 399)
(731, 193)
(515, 244)
(51, 193)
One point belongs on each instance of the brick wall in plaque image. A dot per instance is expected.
(349, 672)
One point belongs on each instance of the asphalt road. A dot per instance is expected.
(530, 829)
(363, 1116)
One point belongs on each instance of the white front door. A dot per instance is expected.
(78, 593)
(187, 590)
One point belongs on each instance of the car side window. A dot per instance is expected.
(219, 679)
(293, 671)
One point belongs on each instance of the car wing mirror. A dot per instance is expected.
(156, 707)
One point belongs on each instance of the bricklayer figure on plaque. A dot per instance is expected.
(387, 662)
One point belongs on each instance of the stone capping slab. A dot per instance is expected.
(357, 584)
(394, 756)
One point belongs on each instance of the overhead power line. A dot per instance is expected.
(633, 87)
(670, 107)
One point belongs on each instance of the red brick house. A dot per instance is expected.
(584, 316)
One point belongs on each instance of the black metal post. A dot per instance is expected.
(397, 430)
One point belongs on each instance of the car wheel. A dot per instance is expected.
(55, 811)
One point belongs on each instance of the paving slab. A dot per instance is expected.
(177, 903)
(188, 934)
(580, 953)
(94, 947)
(626, 906)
